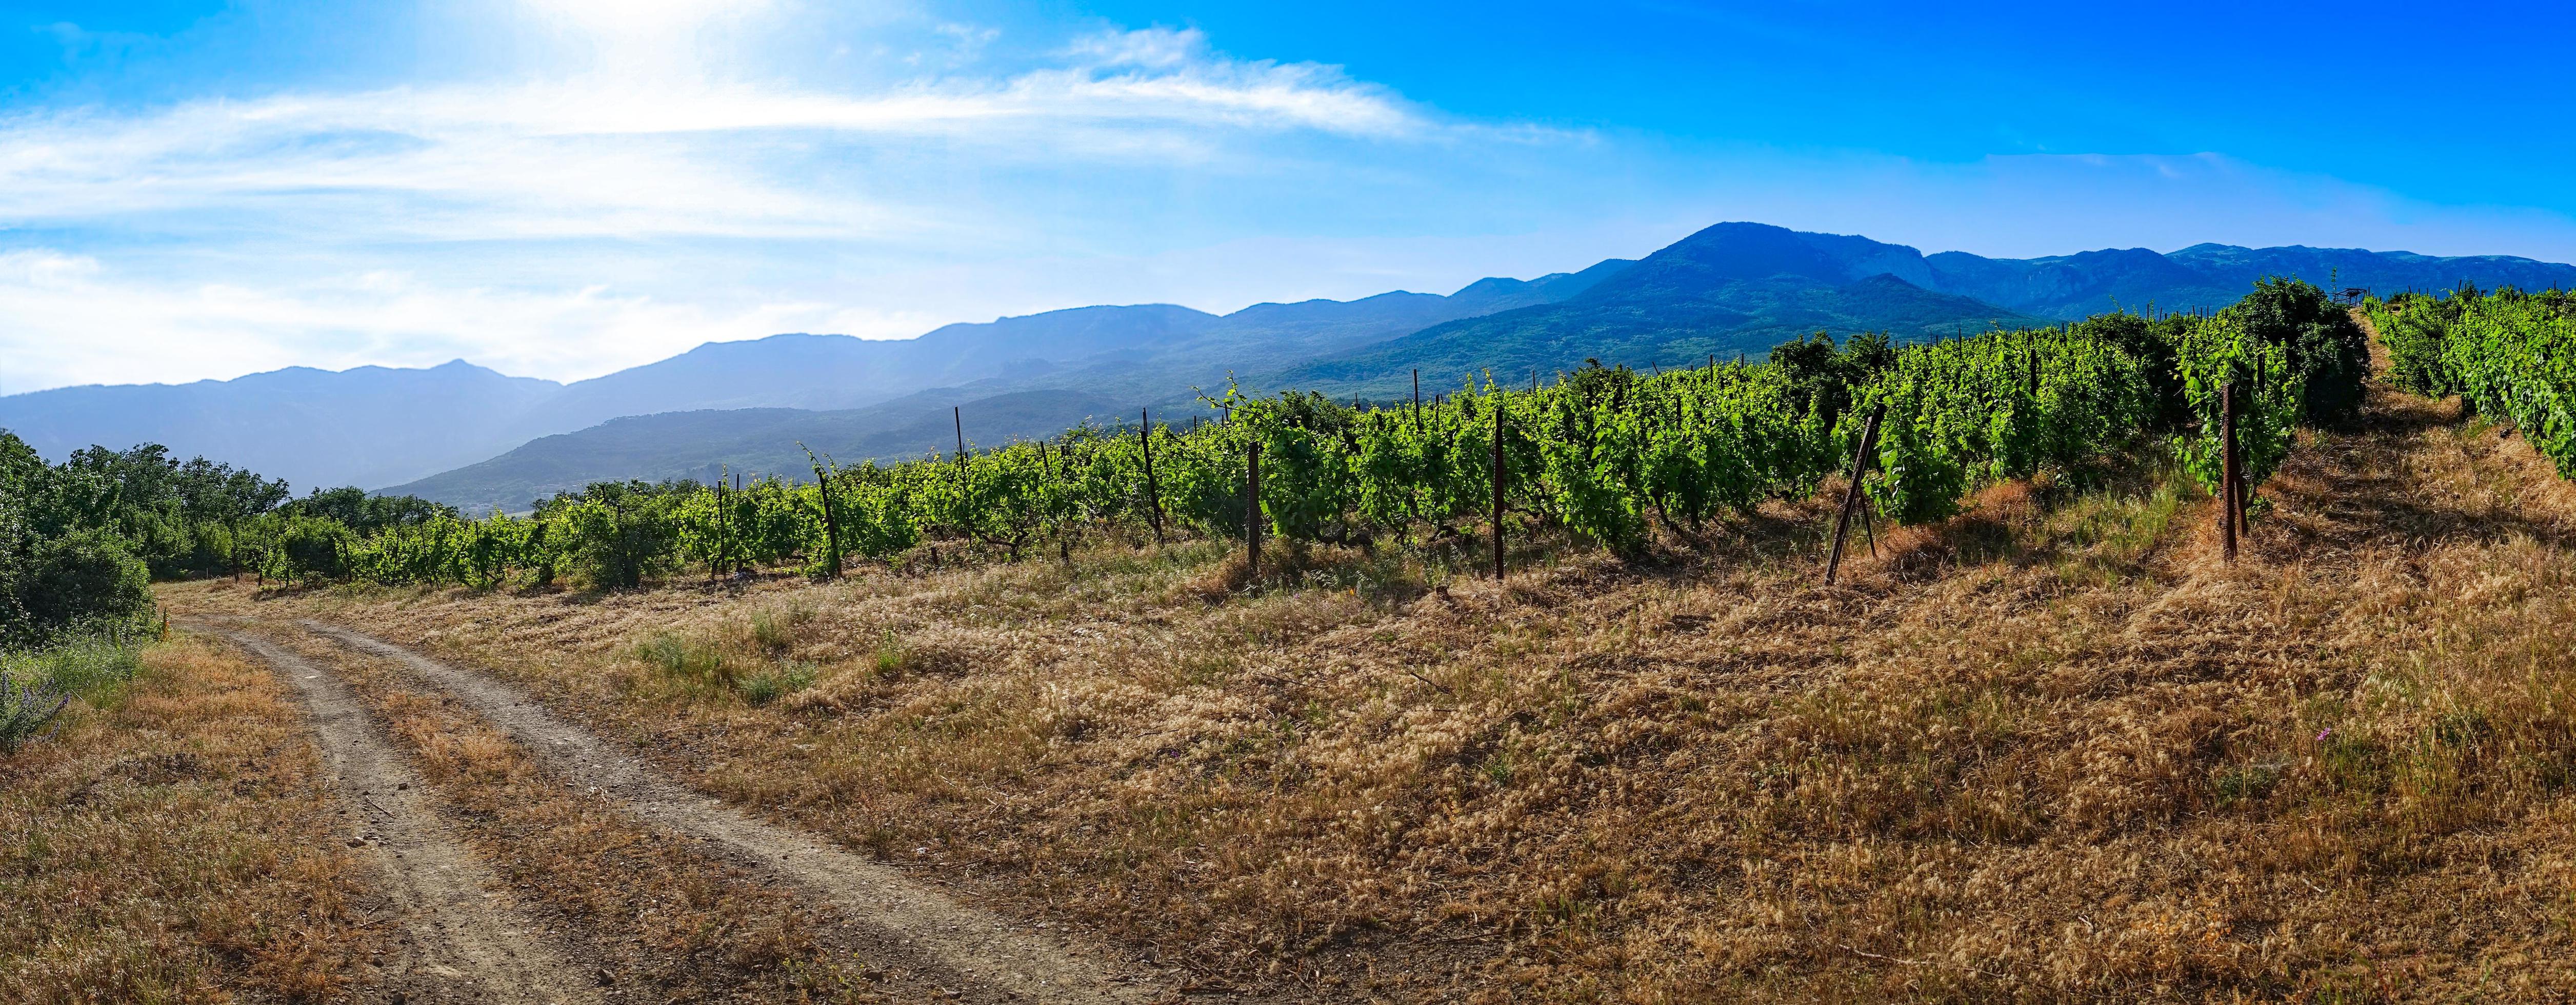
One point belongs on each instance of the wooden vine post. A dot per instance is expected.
(1252, 511)
(957, 414)
(2228, 498)
(715, 562)
(1498, 488)
(831, 525)
(1153, 492)
(1417, 401)
(1851, 494)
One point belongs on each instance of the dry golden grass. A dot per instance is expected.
(2049, 751)
(175, 844)
(646, 908)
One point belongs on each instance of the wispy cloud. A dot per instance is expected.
(402, 223)
(618, 156)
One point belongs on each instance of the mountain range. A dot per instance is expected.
(475, 438)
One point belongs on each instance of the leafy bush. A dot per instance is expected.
(615, 537)
(83, 576)
(1968, 412)
(2513, 358)
(2327, 352)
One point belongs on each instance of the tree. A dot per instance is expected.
(2325, 345)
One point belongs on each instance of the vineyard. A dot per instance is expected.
(1605, 454)
(2510, 355)
(1562, 762)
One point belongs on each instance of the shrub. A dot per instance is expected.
(2326, 347)
(84, 576)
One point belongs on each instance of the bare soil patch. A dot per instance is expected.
(460, 940)
(980, 949)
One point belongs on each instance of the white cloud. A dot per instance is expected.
(606, 154)
(615, 208)
(1151, 48)
(565, 224)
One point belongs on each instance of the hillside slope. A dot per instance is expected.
(2209, 277)
(1732, 288)
(377, 426)
(751, 442)
(2051, 750)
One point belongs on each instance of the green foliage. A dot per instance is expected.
(2510, 355)
(367, 515)
(2272, 393)
(37, 684)
(2319, 339)
(2415, 329)
(616, 535)
(1968, 412)
(1607, 453)
(83, 576)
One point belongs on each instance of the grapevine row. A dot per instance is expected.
(2510, 355)
(1606, 453)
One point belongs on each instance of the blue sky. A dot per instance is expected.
(561, 188)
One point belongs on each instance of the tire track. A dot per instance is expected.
(461, 945)
(976, 945)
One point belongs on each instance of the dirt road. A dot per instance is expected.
(906, 925)
(460, 941)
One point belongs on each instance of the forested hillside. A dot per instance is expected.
(1729, 290)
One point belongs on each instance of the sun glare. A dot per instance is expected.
(641, 16)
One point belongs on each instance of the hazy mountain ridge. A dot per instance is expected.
(704, 445)
(370, 425)
(378, 426)
(1732, 288)
(2211, 276)
(450, 431)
